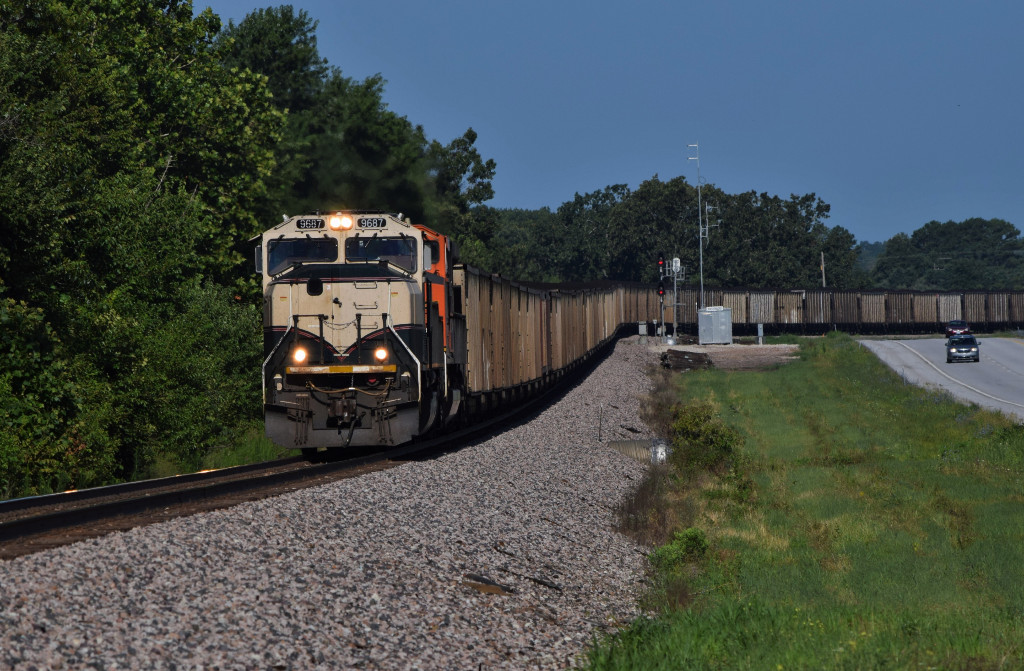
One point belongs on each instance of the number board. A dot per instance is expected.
(372, 222)
(309, 224)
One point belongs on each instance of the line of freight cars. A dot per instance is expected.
(374, 336)
(815, 311)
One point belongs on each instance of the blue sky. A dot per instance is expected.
(895, 113)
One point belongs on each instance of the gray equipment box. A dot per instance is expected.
(714, 326)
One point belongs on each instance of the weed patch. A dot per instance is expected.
(701, 441)
(643, 514)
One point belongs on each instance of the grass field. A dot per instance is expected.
(840, 519)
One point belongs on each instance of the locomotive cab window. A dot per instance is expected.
(431, 253)
(290, 251)
(400, 251)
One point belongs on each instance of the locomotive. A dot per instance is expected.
(357, 337)
(375, 336)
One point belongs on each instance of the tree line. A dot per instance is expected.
(142, 147)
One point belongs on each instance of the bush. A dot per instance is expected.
(202, 373)
(49, 437)
(701, 441)
(687, 546)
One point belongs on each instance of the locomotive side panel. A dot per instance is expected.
(762, 307)
(789, 307)
(997, 309)
(845, 308)
(476, 308)
(872, 308)
(736, 301)
(712, 297)
(1016, 307)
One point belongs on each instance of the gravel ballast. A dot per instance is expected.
(500, 556)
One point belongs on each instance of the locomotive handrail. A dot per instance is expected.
(419, 366)
(389, 324)
(263, 369)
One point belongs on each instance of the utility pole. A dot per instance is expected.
(701, 232)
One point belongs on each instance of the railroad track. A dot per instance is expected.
(37, 523)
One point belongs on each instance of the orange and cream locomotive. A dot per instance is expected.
(374, 336)
(356, 330)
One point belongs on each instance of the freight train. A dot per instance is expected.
(815, 311)
(374, 335)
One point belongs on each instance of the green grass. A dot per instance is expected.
(249, 446)
(884, 529)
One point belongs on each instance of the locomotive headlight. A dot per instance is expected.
(340, 223)
(380, 354)
(299, 355)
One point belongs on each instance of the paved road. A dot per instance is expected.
(996, 382)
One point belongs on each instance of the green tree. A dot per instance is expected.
(765, 241)
(461, 181)
(342, 147)
(53, 411)
(657, 217)
(975, 254)
(588, 239)
(529, 246)
(129, 157)
(280, 44)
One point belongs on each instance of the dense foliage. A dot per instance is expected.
(752, 240)
(341, 146)
(979, 254)
(125, 181)
(142, 146)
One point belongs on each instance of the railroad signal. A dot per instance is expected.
(661, 264)
(661, 288)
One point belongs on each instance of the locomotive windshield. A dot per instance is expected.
(290, 251)
(400, 251)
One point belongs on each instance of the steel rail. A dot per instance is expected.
(191, 488)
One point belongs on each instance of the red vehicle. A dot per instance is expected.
(957, 327)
